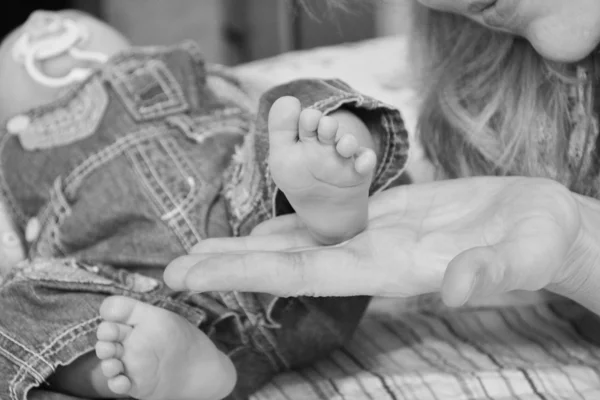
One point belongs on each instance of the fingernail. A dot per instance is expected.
(472, 287)
(479, 6)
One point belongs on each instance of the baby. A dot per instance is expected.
(115, 160)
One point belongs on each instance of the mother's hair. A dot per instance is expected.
(493, 105)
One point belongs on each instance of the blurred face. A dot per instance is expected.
(560, 30)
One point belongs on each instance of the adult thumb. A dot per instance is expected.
(527, 258)
(480, 271)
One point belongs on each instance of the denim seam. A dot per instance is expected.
(77, 118)
(273, 346)
(270, 356)
(150, 68)
(93, 162)
(45, 218)
(68, 96)
(187, 172)
(174, 93)
(228, 121)
(22, 375)
(157, 203)
(72, 182)
(59, 200)
(24, 364)
(260, 323)
(163, 209)
(60, 212)
(160, 191)
(193, 198)
(395, 147)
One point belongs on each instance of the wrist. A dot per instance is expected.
(579, 279)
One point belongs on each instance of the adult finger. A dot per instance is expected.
(525, 259)
(274, 242)
(328, 271)
(284, 223)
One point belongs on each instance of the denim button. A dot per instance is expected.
(32, 230)
(18, 124)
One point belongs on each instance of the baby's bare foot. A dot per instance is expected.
(152, 354)
(323, 171)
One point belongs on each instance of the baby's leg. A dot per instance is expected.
(324, 165)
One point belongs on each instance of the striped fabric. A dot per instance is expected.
(530, 351)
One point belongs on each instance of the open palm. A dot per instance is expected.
(509, 233)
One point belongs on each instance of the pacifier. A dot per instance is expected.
(48, 35)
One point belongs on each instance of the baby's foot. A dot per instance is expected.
(150, 353)
(323, 171)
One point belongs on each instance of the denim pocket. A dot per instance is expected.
(147, 88)
(72, 118)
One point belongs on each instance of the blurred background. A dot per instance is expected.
(233, 31)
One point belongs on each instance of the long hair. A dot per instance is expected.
(491, 105)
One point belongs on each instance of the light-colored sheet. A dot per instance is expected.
(521, 346)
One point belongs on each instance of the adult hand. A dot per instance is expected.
(476, 236)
